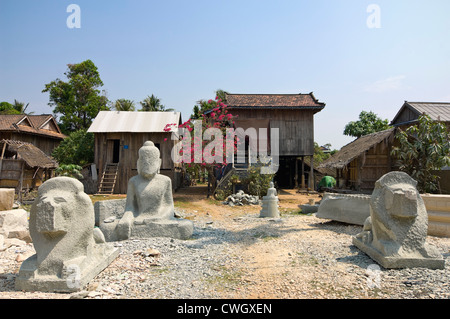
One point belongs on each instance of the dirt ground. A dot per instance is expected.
(302, 256)
(263, 266)
(295, 257)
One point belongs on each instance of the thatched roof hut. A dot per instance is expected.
(32, 155)
(23, 165)
(362, 162)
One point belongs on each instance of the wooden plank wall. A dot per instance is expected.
(11, 171)
(365, 170)
(375, 163)
(130, 143)
(45, 144)
(296, 128)
(406, 115)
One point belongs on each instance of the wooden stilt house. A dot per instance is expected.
(293, 116)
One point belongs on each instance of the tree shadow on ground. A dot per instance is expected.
(7, 281)
(356, 256)
(338, 227)
(204, 236)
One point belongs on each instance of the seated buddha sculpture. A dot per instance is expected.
(149, 208)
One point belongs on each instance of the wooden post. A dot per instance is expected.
(303, 173)
(296, 172)
(33, 181)
(1, 158)
(21, 182)
(337, 178)
(311, 175)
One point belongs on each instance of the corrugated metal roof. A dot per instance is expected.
(437, 111)
(133, 122)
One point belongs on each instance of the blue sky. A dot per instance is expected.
(183, 51)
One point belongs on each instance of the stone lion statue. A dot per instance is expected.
(395, 233)
(69, 250)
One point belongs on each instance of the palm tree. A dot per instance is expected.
(124, 105)
(20, 107)
(153, 104)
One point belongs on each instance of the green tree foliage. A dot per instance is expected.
(77, 148)
(153, 104)
(70, 170)
(257, 183)
(7, 108)
(77, 101)
(368, 123)
(21, 107)
(15, 108)
(124, 105)
(221, 95)
(320, 155)
(423, 148)
(202, 105)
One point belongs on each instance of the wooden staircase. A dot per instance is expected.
(109, 177)
(239, 170)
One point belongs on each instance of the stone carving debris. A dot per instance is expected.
(14, 224)
(6, 198)
(240, 199)
(346, 208)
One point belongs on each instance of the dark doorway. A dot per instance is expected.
(115, 154)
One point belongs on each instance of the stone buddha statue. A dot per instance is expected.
(270, 203)
(149, 209)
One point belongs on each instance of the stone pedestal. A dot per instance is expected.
(109, 213)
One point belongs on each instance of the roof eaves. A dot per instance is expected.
(339, 164)
(310, 107)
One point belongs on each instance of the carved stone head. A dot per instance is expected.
(61, 222)
(149, 161)
(54, 211)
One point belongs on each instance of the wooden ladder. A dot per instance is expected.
(109, 177)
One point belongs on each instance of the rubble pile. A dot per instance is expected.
(241, 199)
